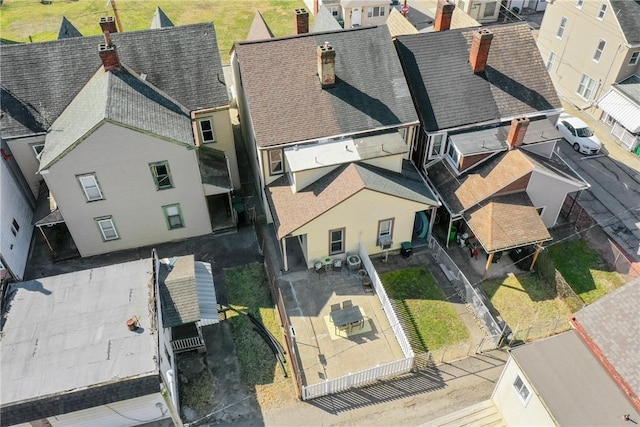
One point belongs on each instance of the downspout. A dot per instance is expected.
(284, 254)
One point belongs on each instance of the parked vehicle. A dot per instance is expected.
(578, 134)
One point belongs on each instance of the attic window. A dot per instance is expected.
(206, 131)
(522, 390)
(37, 150)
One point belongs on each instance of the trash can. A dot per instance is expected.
(406, 249)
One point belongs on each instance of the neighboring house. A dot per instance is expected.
(588, 46)
(16, 212)
(67, 29)
(399, 25)
(330, 153)
(324, 20)
(443, 14)
(160, 19)
(587, 376)
(259, 29)
(621, 110)
(520, 5)
(360, 13)
(87, 347)
(483, 11)
(135, 145)
(487, 140)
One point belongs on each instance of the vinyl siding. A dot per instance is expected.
(544, 190)
(26, 159)
(120, 159)
(224, 141)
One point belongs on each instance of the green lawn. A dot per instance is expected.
(525, 299)
(431, 319)
(584, 270)
(20, 19)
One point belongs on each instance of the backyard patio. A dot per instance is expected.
(325, 352)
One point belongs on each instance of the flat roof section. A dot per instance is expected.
(68, 332)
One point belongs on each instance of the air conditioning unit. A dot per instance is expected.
(385, 243)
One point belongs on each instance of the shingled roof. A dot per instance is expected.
(293, 210)
(160, 19)
(288, 104)
(627, 12)
(67, 29)
(324, 21)
(448, 94)
(259, 29)
(184, 62)
(119, 97)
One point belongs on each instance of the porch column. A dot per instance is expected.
(535, 257)
(488, 266)
(449, 230)
(45, 239)
(432, 221)
(284, 254)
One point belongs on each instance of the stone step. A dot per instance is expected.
(483, 414)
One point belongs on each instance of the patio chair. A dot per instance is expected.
(337, 266)
(335, 307)
(367, 286)
(347, 303)
(319, 268)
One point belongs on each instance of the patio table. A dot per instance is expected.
(346, 316)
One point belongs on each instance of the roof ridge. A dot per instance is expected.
(309, 34)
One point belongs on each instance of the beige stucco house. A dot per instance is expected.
(359, 13)
(134, 147)
(332, 161)
(588, 46)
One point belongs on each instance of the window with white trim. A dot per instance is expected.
(336, 241)
(489, 9)
(90, 187)
(161, 175)
(374, 12)
(634, 58)
(602, 11)
(522, 390)
(385, 230)
(276, 163)
(173, 216)
(551, 60)
(586, 87)
(599, 49)
(206, 131)
(436, 144)
(37, 150)
(453, 154)
(561, 28)
(579, 4)
(107, 228)
(334, 11)
(15, 227)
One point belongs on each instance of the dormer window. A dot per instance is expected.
(206, 131)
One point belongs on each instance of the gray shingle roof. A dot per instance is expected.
(448, 94)
(628, 14)
(213, 167)
(67, 29)
(287, 102)
(178, 293)
(612, 323)
(160, 19)
(630, 87)
(119, 97)
(184, 62)
(324, 21)
(259, 29)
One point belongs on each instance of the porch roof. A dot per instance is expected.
(213, 167)
(622, 108)
(293, 210)
(506, 222)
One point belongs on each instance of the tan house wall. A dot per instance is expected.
(120, 159)
(514, 411)
(304, 178)
(360, 216)
(223, 132)
(392, 163)
(548, 192)
(363, 7)
(519, 184)
(26, 159)
(575, 51)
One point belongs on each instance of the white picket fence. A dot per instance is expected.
(367, 376)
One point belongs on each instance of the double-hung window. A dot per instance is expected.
(336, 241)
(206, 131)
(634, 58)
(334, 11)
(15, 227)
(385, 230)
(276, 165)
(90, 187)
(579, 4)
(374, 12)
(599, 49)
(107, 228)
(551, 60)
(522, 390)
(602, 11)
(173, 216)
(161, 175)
(562, 27)
(586, 87)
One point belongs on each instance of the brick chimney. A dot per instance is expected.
(326, 65)
(108, 53)
(108, 23)
(517, 131)
(480, 50)
(302, 21)
(444, 13)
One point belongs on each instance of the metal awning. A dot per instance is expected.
(206, 294)
(622, 110)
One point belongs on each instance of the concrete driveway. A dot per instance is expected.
(613, 200)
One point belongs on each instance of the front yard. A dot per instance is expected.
(584, 270)
(430, 321)
(526, 302)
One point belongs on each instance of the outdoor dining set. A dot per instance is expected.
(346, 317)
